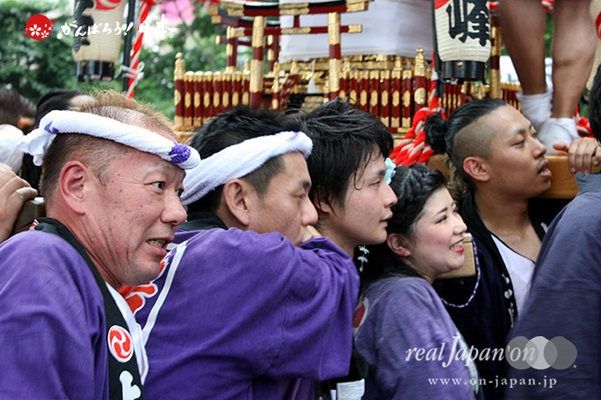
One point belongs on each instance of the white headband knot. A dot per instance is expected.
(37, 142)
(240, 160)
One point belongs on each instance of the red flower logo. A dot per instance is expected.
(38, 27)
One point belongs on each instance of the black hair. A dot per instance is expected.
(233, 127)
(13, 106)
(595, 105)
(55, 99)
(344, 139)
(413, 186)
(459, 137)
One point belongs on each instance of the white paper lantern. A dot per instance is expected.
(97, 37)
(462, 38)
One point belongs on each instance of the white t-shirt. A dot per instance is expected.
(520, 270)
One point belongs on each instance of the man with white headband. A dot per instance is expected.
(111, 177)
(249, 300)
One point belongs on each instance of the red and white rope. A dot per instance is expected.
(135, 58)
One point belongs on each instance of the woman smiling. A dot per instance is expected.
(403, 331)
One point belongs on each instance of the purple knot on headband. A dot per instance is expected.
(50, 129)
(36, 143)
(179, 153)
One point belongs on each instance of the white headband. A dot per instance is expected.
(37, 142)
(240, 160)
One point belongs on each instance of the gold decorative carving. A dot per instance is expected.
(188, 100)
(373, 100)
(238, 33)
(356, 7)
(235, 13)
(353, 96)
(226, 99)
(177, 98)
(406, 98)
(384, 98)
(396, 98)
(235, 99)
(207, 100)
(398, 63)
(294, 69)
(333, 28)
(197, 99)
(178, 73)
(363, 100)
(406, 122)
(420, 96)
(394, 122)
(258, 32)
(334, 75)
(285, 6)
(256, 76)
(355, 28)
(294, 11)
(295, 31)
(179, 122)
(420, 63)
(276, 78)
(495, 88)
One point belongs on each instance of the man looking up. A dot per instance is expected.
(248, 301)
(112, 176)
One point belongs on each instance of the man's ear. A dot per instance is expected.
(236, 198)
(399, 244)
(477, 168)
(74, 184)
(321, 205)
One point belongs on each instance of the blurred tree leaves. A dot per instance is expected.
(35, 66)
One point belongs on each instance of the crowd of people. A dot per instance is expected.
(284, 256)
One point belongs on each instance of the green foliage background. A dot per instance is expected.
(35, 66)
